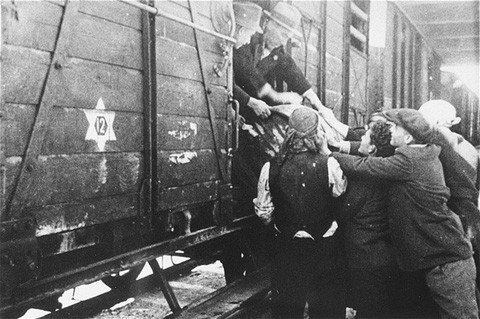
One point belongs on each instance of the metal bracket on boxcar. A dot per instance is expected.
(234, 148)
(19, 254)
(220, 68)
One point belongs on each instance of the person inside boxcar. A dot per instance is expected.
(263, 61)
(247, 19)
(427, 235)
(299, 186)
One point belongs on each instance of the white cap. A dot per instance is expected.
(440, 113)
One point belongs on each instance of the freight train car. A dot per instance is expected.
(117, 136)
(116, 140)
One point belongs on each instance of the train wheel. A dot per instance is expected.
(123, 279)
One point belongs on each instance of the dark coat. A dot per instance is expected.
(251, 73)
(367, 235)
(424, 231)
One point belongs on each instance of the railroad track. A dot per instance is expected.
(201, 293)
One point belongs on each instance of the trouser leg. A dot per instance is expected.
(292, 270)
(327, 298)
(453, 288)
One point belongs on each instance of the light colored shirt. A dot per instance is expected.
(263, 202)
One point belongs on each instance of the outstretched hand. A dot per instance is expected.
(259, 107)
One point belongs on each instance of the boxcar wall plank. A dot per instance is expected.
(115, 11)
(334, 33)
(187, 133)
(358, 80)
(212, 59)
(24, 72)
(334, 81)
(299, 53)
(68, 133)
(69, 216)
(18, 125)
(74, 178)
(174, 31)
(181, 60)
(177, 96)
(12, 165)
(84, 82)
(34, 25)
(180, 96)
(104, 41)
(335, 10)
(177, 9)
(177, 59)
(184, 34)
(177, 168)
(173, 197)
(312, 75)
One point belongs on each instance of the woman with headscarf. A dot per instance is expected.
(303, 181)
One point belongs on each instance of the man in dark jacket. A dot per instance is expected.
(426, 234)
(368, 247)
(247, 19)
(264, 62)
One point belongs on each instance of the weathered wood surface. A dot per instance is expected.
(178, 168)
(335, 10)
(72, 178)
(69, 216)
(66, 133)
(181, 60)
(101, 40)
(176, 96)
(114, 11)
(34, 24)
(230, 299)
(24, 72)
(188, 133)
(81, 83)
(174, 197)
(334, 34)
(358, 81)
(105, 61)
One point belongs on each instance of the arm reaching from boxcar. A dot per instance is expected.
(268, 92)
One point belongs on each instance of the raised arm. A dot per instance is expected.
(396, 167)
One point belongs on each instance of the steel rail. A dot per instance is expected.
(156, 12)
(28, 294)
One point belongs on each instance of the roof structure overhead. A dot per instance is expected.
(451, 28)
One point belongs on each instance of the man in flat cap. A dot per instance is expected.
(460, 167)
(258, 65)
(428, 237)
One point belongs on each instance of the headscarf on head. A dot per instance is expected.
(302, 133)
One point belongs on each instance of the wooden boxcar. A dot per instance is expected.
(116, 131)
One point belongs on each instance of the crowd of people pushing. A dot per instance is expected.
(368, 223)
